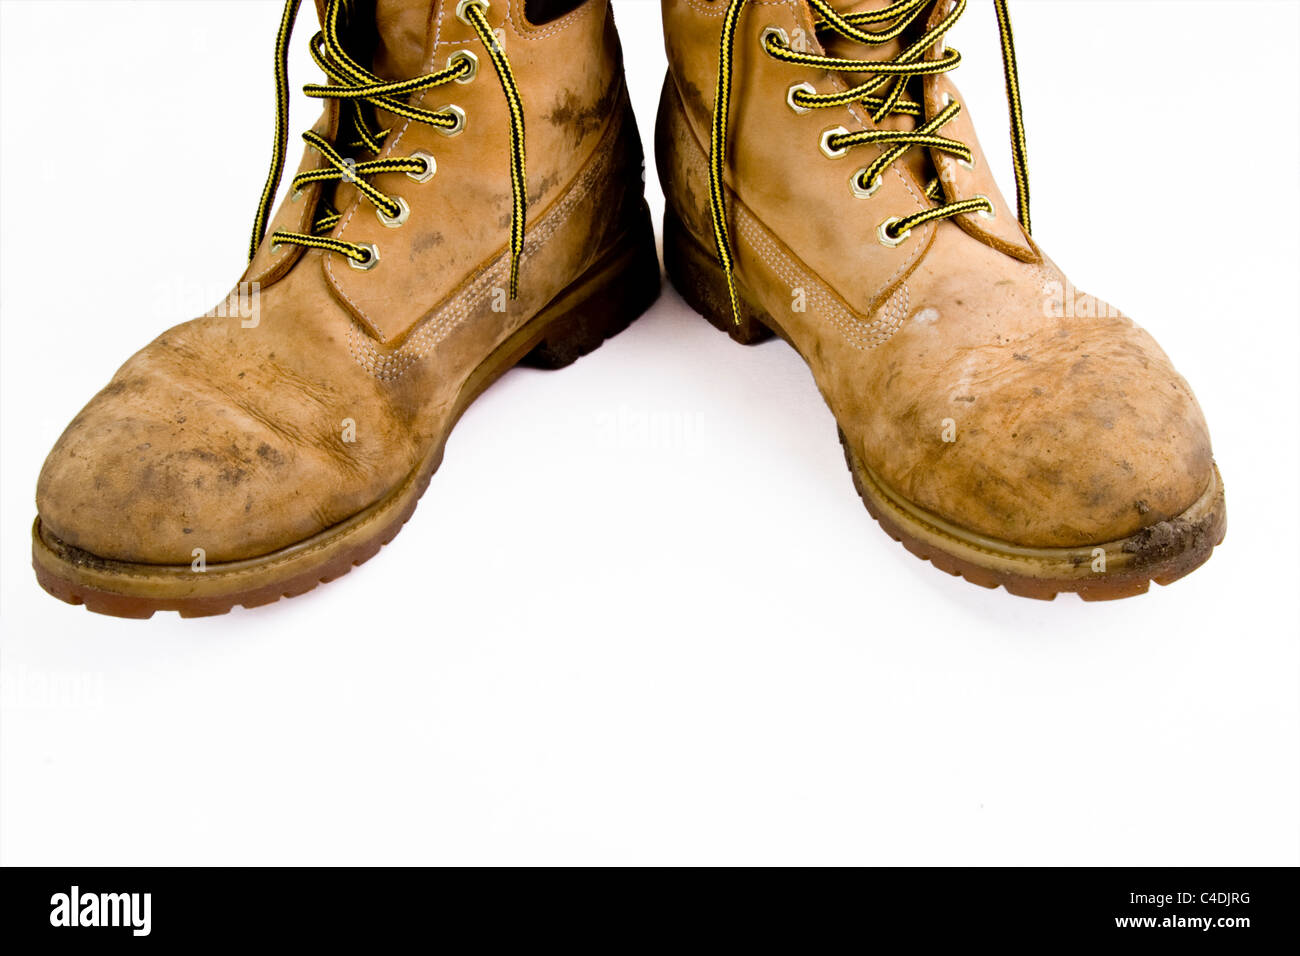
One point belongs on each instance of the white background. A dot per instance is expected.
(641, 616)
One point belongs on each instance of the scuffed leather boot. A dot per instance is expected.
(824, 182)
(471, 198)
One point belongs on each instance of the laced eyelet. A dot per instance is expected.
(370, 262)
(430, 166)
(460, 9)
(886, 239)
(833, 152)
(775, 32)
(458, 114)
(403, 213)
(861, 191)
(798, 87)
(468, 57)
(991, 212)
(275, 248)
(296, 196)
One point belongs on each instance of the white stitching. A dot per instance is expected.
(861, 335)
(390, 146)
(390, 366)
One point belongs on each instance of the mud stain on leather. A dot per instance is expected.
(425, 243)
(166, 477)
(1167, 538)
(581, 119)
(693, 97)
(537, 189)
(269, 455)
(541, 187)
(156, 483)
(123, 386)
(76, 556)
(202, 454)
(694, 208)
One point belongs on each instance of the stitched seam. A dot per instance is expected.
(391, 145)
(538, 33)
(747, 223)
(390, 366)
(716, 10)
(921, 245)
(861, 335)
(541, 33)
(903, 178)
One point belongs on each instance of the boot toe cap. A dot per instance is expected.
(127, 486)
(1055, 441)
(169, 458)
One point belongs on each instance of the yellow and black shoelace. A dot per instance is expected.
(361, 93)
(883, 94)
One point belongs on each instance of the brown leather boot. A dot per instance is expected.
(471, 199)
(995, 421)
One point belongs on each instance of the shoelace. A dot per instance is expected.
(358, 89)
(883, 95)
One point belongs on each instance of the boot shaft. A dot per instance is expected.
(322, 414)
(569, 79)
(779, 151)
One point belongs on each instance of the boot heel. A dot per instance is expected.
(604, 302)
(695, 273)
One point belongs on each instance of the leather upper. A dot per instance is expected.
(241, 439)
(962, 366)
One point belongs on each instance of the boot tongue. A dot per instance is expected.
(916, 159)
(402, 28)
(837, 45)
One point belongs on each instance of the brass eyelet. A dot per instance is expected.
(460, 9)
(430, 166)
(458, 114)
(830, 151)
(296, 196)
(776, 32)
(370, 262)
(798, 87)
(864, 192)
(469, 57)
(991, 212)
(403, 214)
(893, 242)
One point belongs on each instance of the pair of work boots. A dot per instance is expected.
(471, 198)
